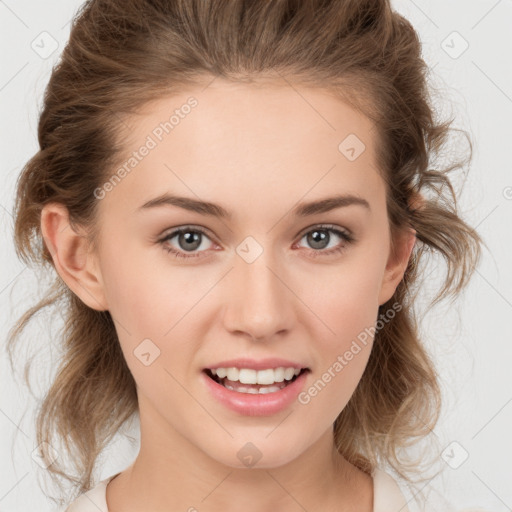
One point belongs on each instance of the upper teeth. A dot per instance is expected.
(249, 376)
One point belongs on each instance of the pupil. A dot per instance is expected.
(317, 239)
(190, 237)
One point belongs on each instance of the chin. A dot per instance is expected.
(254, 454)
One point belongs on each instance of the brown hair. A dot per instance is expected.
(123, 54)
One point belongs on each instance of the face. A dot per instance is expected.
(270, 279)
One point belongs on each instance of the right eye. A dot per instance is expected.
(186, 236)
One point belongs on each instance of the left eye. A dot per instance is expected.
(321, 234)
(190, 239)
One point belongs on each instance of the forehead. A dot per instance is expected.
(251, 113)
(244, 142)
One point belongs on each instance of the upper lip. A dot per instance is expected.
(261, 364)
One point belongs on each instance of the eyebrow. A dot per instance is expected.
(302, 210)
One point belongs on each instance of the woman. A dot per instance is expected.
(274, 363)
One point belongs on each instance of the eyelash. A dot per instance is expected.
(345, 236)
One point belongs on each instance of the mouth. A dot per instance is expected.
(235, 385)
(264, 393)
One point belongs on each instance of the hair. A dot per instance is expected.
(123, 54)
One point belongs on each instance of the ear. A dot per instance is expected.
(397, 265)
(76, 265)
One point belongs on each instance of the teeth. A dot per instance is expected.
(249, 376)
(254, 391)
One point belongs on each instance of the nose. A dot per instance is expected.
(259, 301)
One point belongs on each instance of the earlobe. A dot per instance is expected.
(69, 251)
(397, 265)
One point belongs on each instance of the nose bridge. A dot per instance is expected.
(260, 305)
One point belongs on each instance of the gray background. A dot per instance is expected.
(470, 341)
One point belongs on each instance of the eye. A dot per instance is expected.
(188, 239)
(319, 239)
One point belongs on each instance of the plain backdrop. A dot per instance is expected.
(468, 46)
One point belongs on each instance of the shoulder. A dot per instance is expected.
(94, 500)
(386, 493)
(388, 496)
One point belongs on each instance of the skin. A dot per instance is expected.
(257, 151)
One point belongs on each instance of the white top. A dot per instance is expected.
(387, 496)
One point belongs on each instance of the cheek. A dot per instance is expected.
(346, 299)
(350, 313)
(141, 295)
(152, 319)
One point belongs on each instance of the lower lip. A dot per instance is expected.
(256, 405)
